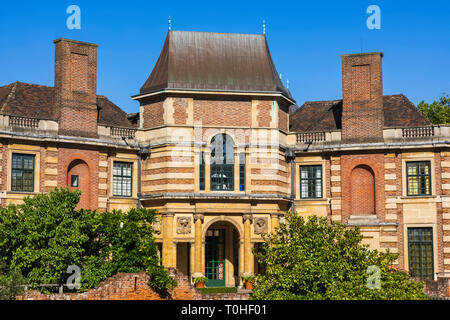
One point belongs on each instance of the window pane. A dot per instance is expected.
(311, 181)
(122, 180)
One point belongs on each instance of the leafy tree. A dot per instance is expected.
(11, 284)
(437, 112)
(316, 260)
(43, 236)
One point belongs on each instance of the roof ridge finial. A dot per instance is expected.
(264, 26)
(170, 23)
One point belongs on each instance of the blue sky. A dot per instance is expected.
(306, 39)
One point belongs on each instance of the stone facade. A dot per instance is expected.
(210, 219)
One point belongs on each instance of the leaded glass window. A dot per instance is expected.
(22, 177)
(420, 252)
(418, 175)
(242, 171)
(202, 171)
(122, 179)
(222, 163)
(311, 182)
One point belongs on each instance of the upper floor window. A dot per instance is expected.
(242, 172)
(418, 175)
(122, 179)
(311, 182)
(202, 171)
(222, 163)
(22, 177)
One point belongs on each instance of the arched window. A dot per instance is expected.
(222, 163)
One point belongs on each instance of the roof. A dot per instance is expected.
(327, 115)
(215, 62)
(39, 102)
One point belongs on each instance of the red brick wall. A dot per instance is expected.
(376, 163)
(66, 156)
(264, 108)
(123, 286)
(283, 113)
(180, 113)
(76, 87)
(362, 92)
(153, 114)
(362, 188)
(222, 112)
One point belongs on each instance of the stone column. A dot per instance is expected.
(168, 252)
(275, 218)
(248, 256)
(198, 220)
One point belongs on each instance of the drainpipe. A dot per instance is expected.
(143, 152)
(290, 157)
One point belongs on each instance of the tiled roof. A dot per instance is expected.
(327, 115)
(215, 61)
(37, 101)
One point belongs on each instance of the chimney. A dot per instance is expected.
(76, 87)
(362, 95)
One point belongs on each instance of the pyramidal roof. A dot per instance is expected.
(207, 61)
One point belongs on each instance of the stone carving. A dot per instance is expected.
(260, 225)
(157, 226)
(247, 216)
(183, 225)
(199, 216)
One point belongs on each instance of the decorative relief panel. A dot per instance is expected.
(260, 225)
(183, 225)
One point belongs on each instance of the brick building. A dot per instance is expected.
(220, 149)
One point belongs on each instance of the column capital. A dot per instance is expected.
(247, 216)
(167, 214)
(199, 216)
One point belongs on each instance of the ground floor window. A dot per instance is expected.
(420, 252)
(122, 179)
(22, 178)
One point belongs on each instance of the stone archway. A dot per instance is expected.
(79, 178)
(222, 254)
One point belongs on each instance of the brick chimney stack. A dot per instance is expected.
(362, 94)
(76, 87)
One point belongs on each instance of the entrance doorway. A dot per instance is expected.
(222, 255)
(215, 257)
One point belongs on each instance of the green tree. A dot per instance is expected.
(437, 112)
(316, 260)
(42, 237)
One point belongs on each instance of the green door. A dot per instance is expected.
(215, 258)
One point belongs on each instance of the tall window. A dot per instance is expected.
(122, 179)
(22, 178)
(242, 171)
(202, 170)
(418, 175)
(420, 252)
(222, 163)
(310, 182)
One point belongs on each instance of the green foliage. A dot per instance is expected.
(43, 236)
(437, 112)
(217, 290)
(316, 260)
(200, 279)
(11, 284)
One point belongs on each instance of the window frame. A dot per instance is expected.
(242, 179)
(308, 179)
(222, 168)
(202, 172)
(421, 243)
(33, 171)
(122, 176)
(417, 162)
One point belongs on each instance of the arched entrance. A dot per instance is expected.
(78, 178)
(222, 243)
